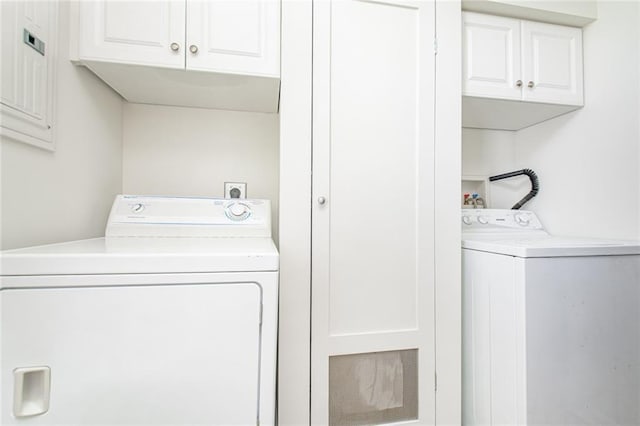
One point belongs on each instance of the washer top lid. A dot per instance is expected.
(549, 246)
(159, 216)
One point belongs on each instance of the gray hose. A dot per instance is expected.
(535, 186)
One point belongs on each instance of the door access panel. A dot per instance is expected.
(149, 354)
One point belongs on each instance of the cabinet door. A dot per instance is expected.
(552, 63)
(133, 355)
(491, 56)
(237, 37)
(373, 244)
(133, 32)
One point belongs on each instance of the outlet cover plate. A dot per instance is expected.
(235, 186)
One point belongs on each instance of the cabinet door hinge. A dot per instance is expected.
(435, 46)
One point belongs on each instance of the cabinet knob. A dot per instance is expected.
(193, 49)
(175, 46)
(322, 200)
(519, 83)
(530, 85)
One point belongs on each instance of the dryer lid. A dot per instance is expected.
(152, 234)
(144, 255)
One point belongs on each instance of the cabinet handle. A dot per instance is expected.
(530, 85)
(519, 83)
(322, 200)
(193, 49)
(175, 46)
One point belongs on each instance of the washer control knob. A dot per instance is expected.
(522, 220)
(137, 208)
(238, 211)
(466, 220)
(483, 220)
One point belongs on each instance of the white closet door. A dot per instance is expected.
(552, 62)
(373, 244)
(491, 56)
(134, 32)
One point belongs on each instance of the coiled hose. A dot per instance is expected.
(535, 186)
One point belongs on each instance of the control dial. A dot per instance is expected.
(137, 208)
(466, 220)
(238, 211)
(483, 220)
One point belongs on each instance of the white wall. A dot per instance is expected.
(193, 151)
(65, 195)
(588, 159)
(491, 152)
(591, 159)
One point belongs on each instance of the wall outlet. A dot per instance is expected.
(235, 190)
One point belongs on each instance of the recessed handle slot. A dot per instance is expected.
(31, 390)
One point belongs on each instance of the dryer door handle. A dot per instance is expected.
(31, 391)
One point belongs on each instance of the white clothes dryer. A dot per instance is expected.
(170, 319)
(551, 326)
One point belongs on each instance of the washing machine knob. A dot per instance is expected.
(483, 220)
(466, 220)
(238, 211)
(522, 219)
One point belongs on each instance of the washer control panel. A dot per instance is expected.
(494, 220)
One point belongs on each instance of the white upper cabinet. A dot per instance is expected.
(239, 37)
(517, 73)
(491, 64)
(551, 63)
(512, 59)
(147, 50)
(143, 33)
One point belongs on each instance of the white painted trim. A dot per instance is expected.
(319, 415)
(295, 214)
(447, 192)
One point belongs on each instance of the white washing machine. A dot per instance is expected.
(551, 326)
(170, 319)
